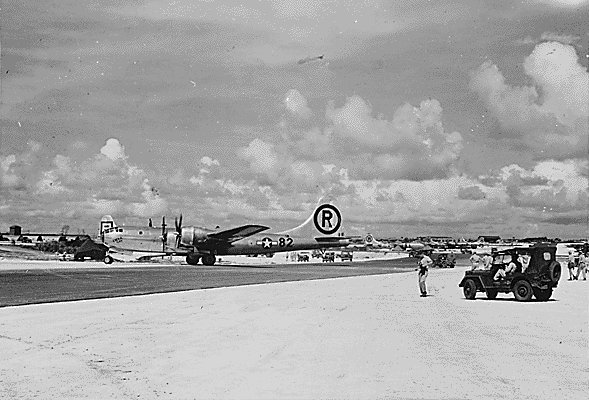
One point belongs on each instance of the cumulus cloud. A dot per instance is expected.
(152, 204)
(551, 37)
(19, 171)
(113, 150)
(296, 103)
(552, 186)
(263, 158)
(412, 145)
(208, 161)
(548, 118)
(563, 3)
(471, 193)
(105, 181)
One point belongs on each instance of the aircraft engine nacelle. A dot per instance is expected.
(191, 235)
(416, 246)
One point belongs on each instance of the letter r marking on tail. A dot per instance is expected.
(327, 219)
(327, 216)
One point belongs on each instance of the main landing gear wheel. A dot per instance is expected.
(209, 259)
(108, 260)
(522, 291)
(470, 289)
(192, 259)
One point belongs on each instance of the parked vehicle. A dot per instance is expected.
(445, 260)
(346, 255)
(329, 256)
(539, 278)
(302, 257)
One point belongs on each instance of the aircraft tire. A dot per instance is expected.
(192, 259)
(108, 260)
(209, 259)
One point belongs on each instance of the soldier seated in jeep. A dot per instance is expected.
(513, 265)
(536, 273)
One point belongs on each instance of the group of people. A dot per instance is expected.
(580, 264)
(516, 262)
(483, 263)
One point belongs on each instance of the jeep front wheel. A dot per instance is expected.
(491, 293)
(470, 289)
(542, 294)
(522, 291)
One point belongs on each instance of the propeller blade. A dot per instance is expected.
(164, 234)
(178, 225)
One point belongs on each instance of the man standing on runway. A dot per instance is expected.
(423, 266)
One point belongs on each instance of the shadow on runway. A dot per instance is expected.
(34, 286)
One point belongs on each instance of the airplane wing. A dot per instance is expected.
(234, 234)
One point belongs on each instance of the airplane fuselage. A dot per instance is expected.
(273, 243)
(139, 239)
(150, 240)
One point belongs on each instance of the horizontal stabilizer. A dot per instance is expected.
(234, 234)
(331, 239)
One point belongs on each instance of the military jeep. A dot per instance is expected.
(538, 278)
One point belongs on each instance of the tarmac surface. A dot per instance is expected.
(84, 281)
(362, 337)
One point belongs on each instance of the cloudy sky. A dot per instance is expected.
(421, 117)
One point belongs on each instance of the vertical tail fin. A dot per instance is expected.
(106, 222)
(326, 219)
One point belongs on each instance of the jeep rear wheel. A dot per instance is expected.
(522, 291)
(470, 289)
(542, 294)
(491, 293)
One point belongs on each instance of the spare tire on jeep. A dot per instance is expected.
(554, 271)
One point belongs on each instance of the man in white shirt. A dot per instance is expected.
(423, 267)
(486, 261)
(582, 267)
(571, 264)
(475, 260)
(502, 273)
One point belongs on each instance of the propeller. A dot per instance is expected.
(178, 226)
(164, 234)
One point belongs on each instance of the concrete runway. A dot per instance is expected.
(45, 284)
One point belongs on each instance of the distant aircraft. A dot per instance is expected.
(204, 244)
(375, 245)
(309, 59)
